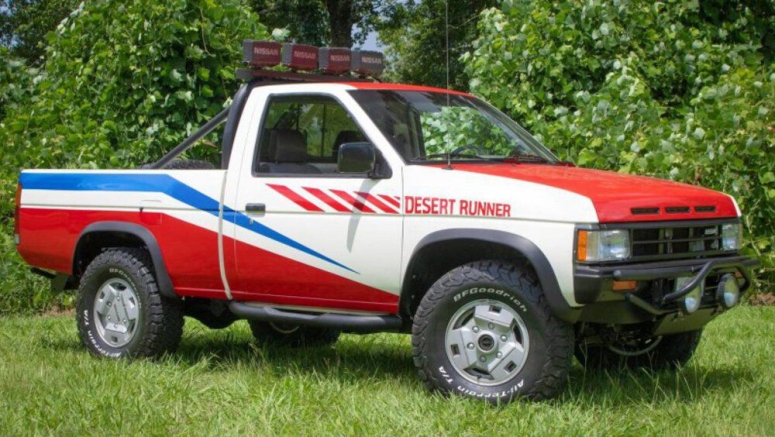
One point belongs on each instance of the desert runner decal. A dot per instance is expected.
(444, 206)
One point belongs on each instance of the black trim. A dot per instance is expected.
(590, 281)
(384, 173)
(232, 122)
(162, 276)
(344, 322)
(191, 140)
(546, 276)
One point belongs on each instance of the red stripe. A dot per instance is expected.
(377, 203)
(296, 198)
(391, 200)
(330, 201)
(353, 201)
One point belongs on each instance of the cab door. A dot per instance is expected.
(314, 237)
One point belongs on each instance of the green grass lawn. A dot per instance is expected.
(219, 382)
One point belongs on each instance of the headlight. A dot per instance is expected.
(594, 246)
(731, 236)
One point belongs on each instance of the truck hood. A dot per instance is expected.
(620, 197)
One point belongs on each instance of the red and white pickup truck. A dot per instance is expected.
(355, 206)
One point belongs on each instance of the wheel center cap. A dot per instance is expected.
(486, 343)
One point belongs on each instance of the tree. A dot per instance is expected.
(125, 81)
(24, 25)
(667, 89)
(321, 22)
(416, 35)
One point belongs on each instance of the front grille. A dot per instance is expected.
(676, 242)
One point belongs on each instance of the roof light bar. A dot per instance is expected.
(335, 60)
(339, 61)
(261, 53)
(300, 57)
(367, 63)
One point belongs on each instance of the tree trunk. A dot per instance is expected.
(340, 13)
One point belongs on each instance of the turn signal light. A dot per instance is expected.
(625, 285)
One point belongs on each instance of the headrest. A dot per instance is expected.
(288, 145)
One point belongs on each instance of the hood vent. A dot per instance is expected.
(642, 211)
(672, 210)
(677, 209)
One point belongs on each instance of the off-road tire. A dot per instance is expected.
(272, 334)
(510, 286)
(189, 164)
(159, 321)
(672, 351)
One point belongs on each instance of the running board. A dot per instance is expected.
(343, 322)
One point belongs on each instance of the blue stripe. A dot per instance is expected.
(160, 183)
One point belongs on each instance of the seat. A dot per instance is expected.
(288, 152)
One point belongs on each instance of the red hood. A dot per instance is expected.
(619, 197)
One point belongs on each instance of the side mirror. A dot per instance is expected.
(356, 158)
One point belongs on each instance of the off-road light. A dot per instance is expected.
(261, 53)
(300, 57)
(367, 63)
(731, 236)
(335, 60)
(728, 291)
(609, 245)
(691, 302)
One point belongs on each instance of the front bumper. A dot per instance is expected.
(655, 295)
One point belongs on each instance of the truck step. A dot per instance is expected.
(344, 322)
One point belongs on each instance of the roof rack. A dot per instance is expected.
(318, 64)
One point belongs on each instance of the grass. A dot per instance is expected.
(219, 382)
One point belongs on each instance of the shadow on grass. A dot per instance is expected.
(388, 357)
(636, 387)
(352, 358)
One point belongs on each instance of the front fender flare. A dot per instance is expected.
(546, 276)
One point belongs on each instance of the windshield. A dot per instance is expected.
(430, 127)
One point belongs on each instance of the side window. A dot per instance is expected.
(302, 135)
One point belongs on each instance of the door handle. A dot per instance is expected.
(256, 207)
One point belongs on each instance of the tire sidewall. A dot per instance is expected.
(90, 287)
(440, 365)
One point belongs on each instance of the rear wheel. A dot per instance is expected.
(635, 349)
(484, 330)
(120, 312)
(286, 334)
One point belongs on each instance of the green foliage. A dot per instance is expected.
(322, 22)
(24, 25)
(462, 129)
(641, 87)
(123, 83)
(416, 37)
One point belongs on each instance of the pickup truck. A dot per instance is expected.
(345, 205)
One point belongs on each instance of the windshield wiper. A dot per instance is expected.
(449, 155)
(526, 158)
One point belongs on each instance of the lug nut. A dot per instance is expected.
(475, 329)
(470, 345)
(483, 359)
(504, 338)
(499, 354)
(490, 325)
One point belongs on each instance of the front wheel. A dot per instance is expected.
(484, 330)
(120, 312)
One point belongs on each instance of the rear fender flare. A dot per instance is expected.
(162, 276)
